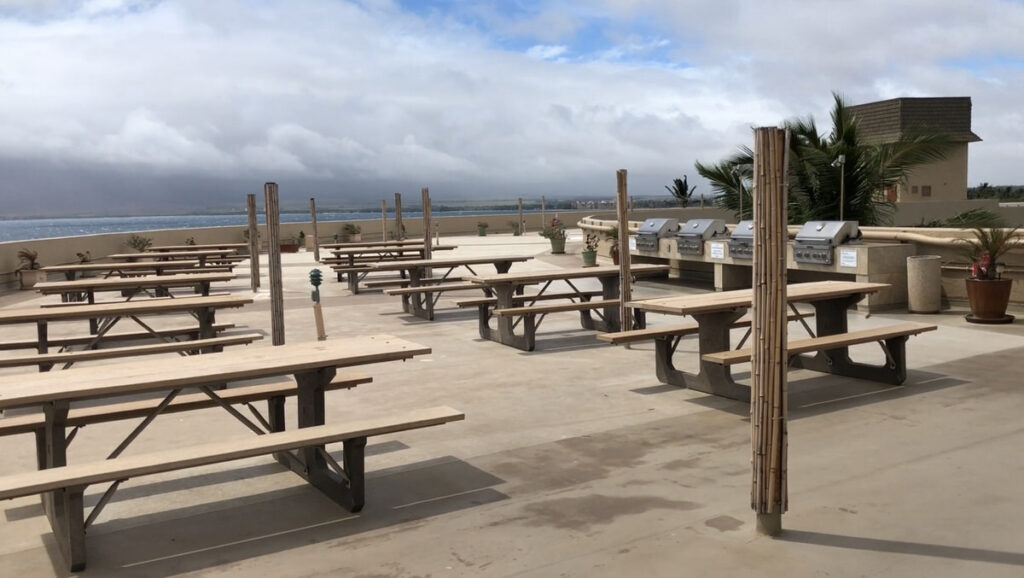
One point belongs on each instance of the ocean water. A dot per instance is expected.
(25, 229)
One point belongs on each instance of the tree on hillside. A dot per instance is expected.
(815, 175)
(681, 190)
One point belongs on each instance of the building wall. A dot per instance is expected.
(946, 179)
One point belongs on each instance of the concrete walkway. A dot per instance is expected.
(575, 461)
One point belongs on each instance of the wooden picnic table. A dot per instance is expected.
(357, 271)
(86, 289)
(506, 286)
(235, 247)
(420, 297)
(200, 255)
(313, 365)
(715, 313)
(106, 315)
(355, 244)
(71, 271)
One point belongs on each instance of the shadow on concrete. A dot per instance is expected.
(199, 537)
(901, 547)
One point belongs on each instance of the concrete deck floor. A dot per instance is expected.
(575, 461)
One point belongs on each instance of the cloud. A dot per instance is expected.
(485, 98)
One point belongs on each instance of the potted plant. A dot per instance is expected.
(351, 232)
(515, 228)
(289, 245)
(28, 269)
(987, 292)
(590, 250)
(555, 232)
(481, 229)
(139, 243)
(302, 238)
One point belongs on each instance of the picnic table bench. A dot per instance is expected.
(313, 366)
(200, 255)
(419, 297)
(715, 314)
(511, 312)
(234, 247)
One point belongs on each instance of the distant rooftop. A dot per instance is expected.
(888, 119)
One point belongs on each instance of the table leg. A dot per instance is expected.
(420, 304)
(611, 321)
(345, 488)
(711, 378)
(43, 343)
(506, 333)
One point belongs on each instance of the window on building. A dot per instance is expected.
(926, 190)
(913, 190)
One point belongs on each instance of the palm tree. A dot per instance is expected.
(816, 179)
(681, 190)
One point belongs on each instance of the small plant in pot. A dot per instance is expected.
(28, 269)
(515, 228)
(139, 243)
(590, 250)
(351, 232)
(987, 292)
(555, 232)
(481, 228)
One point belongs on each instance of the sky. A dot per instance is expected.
(148, 106)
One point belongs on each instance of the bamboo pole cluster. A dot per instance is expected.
(274, 263)
(768, 400)
(254, 243)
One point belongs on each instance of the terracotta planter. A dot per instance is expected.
(988, 300)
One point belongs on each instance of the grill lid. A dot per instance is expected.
(831, 233)
(744, 231)
(703, 228)
(658, 227)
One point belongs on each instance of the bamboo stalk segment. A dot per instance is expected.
(254, 243)
(625, 277)
(316, 237)
(383, 220)
(768, 407)
(399, 227)
(271, 208)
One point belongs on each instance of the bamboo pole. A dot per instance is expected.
(254, 243)
(399, 228)
(316, 237)
(274, 263)
(769, 361)
(521, 224)
(625, 277)
(383, 220)
(543, 216)
(426, 223)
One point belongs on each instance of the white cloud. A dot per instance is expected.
(486, 100)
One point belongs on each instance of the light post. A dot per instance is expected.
(841, 163)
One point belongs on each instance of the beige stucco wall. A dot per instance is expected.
(947, 178)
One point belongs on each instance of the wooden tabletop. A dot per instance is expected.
(384, 250)
(251, 362)
(371, 244)
(172, 254)
(147, 306)
(725, 300)
(134, 265)
(229, 246)
(145, 282)
(446, 262)
(561, 274)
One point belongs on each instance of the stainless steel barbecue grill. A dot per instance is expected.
(817, 240)
(653, 229)
(691, 236)
(741, 242)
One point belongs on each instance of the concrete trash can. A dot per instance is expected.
(924, 283)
